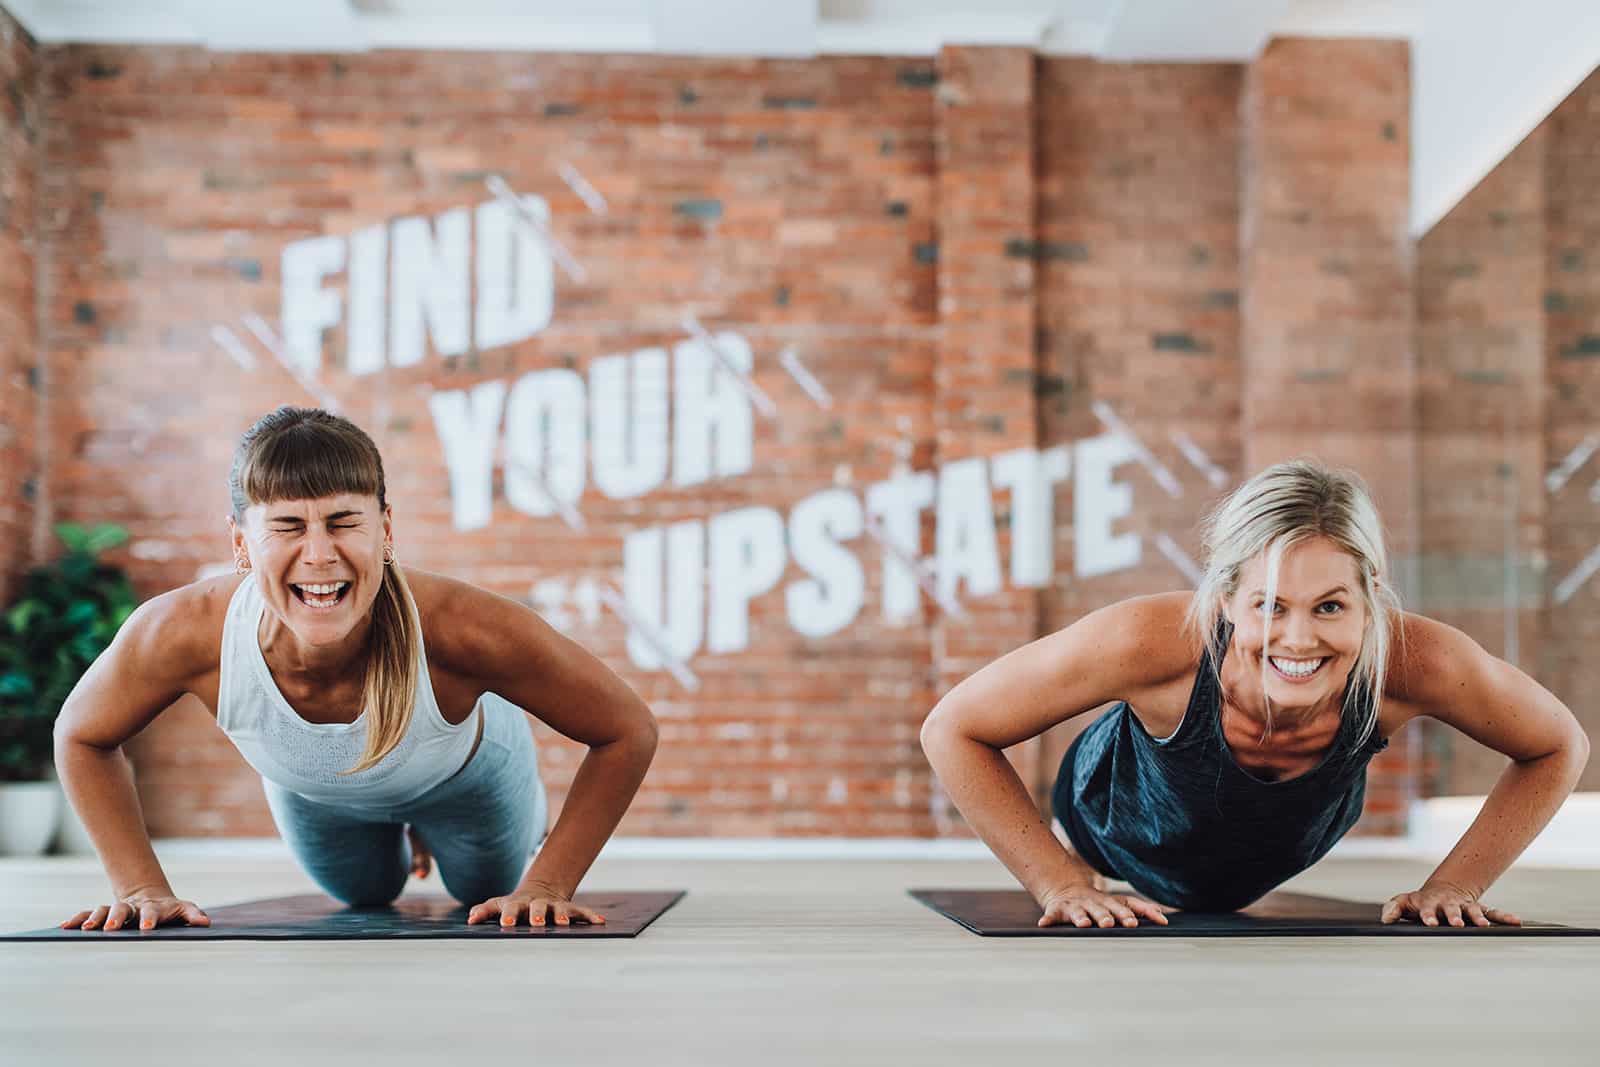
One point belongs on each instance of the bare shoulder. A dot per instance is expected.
(464, 624)
(179, 633)
(1149, 631)
(1438, 671)
(1134, 650)
(1150, 656)
(1429, 661)
(484, 642)
(169, 646)
(1128, 648)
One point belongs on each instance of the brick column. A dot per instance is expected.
(1481, 399)
(19, 348)
(1329, 293)
(984, 379)
(1572, 358)
(1138, 275)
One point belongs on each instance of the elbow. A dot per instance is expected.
(631, 737)
(62, 734)
(650, 733)
(939, 730)
(73, 734)
(1568, 759)
(65, 743)
(645, 735)
(1580, 750)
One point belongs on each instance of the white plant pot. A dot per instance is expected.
(29, 815)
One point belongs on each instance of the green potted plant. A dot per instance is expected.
(64, 616)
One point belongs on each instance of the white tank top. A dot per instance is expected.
(306, 757)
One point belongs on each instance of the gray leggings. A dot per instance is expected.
(480, 825)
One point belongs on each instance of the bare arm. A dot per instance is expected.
(1450, 677)
(516, 654)
(149, 665)
(1109, 654)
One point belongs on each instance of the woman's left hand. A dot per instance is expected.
(1436, 900)
(536, 902)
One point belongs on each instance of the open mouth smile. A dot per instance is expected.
(322, 596)
(1296, 670)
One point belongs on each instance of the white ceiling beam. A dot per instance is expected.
(925, 35)
(514, 33)
(30, 13)
(57, 22)
(1146, 28)
(1396, 19)
(1481, 82)
(1187, 31)
(278, 26)
(785, 28)
(923, 27)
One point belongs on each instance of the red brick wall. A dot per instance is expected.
(1480, 348)
(794, 202)
(976, 255)
(1138, 258)
(1329, 365)
(1509, 303)
(984, 382)
(19, 357)
(1572, 359)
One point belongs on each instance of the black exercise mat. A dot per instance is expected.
(1013, 913)
(314, 917)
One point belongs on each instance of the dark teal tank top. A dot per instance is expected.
(1183, 824)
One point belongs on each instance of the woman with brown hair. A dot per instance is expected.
(383, 707)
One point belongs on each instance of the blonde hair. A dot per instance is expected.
(1280, 507)
(305, 454)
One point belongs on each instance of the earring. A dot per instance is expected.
(388, 555)
(241, 564)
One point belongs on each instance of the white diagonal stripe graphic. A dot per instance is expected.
(229, 342)
(497, 185)
(269, 340)
(1198, 459)
(757, 395)
(1179, 558)
(1580, 574)
(1574, 459)
(578, 184)
(652, 637)
(921, 569)
(1145, 457)
(569, 514)
(806, 380)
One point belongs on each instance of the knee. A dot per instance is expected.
(475, 887)
(373, 893)
(367, 899)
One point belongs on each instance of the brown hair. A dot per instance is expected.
(307, 453)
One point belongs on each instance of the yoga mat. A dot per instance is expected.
(314, 917)
(1013, 913)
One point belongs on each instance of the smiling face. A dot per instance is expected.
(319, 562)
(1318, 621)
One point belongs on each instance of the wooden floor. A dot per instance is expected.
(791, 961)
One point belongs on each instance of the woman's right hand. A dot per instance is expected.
(149, 910)
(1085, 905)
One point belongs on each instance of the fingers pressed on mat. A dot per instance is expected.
(1013, 913)
(314, 916)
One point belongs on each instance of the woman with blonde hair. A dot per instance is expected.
(1245, 715)
(382, 706)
